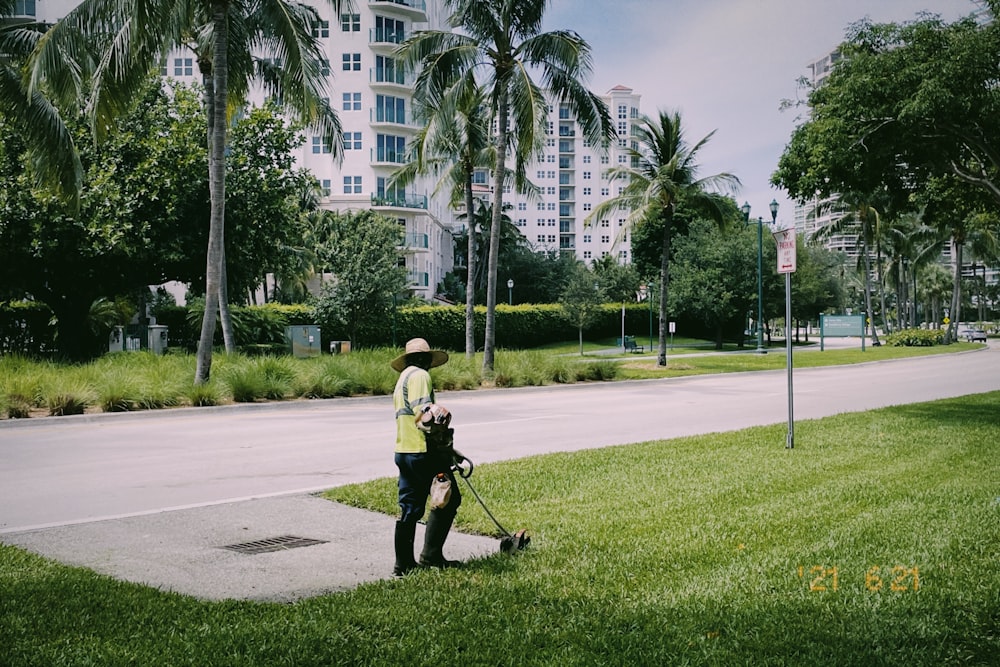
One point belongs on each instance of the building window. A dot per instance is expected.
(550, 174)
(587, 238)
(541, 206)
(390, 148)
(352, 101)
(587, 254)
(324, 67)
(183, 66)
(623, 127)
(586, 175)
(352, 141)
(352, 185)
(550, 143)
(604, 159)
(540, 238)
(622, 159)
(622, 111)
(586, 192)
(325, 186)
(586, 159)
(551, 206)
(605, 238)
(605, 192)
(586, 206)
(320, 145)
(389, 109)
(621, 222)
(522, 206)
(350, 22)
(551, 190)
(550, 158)
(540, 174)
(605, 223)
(352, 62)
(388, 71)
(521, 222)
(551, 238)
(389, 30)
(321, 29)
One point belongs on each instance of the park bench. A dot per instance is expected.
(632, 346)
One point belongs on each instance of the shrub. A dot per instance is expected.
(69, 401)
(915, 338)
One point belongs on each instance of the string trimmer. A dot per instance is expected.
(510, 542)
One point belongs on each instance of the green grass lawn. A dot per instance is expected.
(875, 542)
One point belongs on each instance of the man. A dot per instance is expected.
(423, 450)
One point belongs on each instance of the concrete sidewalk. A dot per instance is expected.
(185, 550)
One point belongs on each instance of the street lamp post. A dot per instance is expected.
(760, 268)
(510, 291)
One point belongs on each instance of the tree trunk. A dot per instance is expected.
(491, 264)
(956, 299)
(868, 283)
(217, 190)
(881, 285)
(661, 356)
(470, 277)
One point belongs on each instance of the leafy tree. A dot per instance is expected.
(715, 277)
(580, 302)
(665, 175)
(362, 251)
(502, 42)
(140, 217)
(114, 44)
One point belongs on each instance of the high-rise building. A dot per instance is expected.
(374, 99)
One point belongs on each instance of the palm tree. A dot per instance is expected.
(53, 156)
(453, 143)
(663, 175)
(128, 39)
(501, 42)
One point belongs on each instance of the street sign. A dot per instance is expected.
(785, 239)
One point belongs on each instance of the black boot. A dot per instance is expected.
(438, 525)
(405, 532)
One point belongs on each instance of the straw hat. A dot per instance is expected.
(416, 346)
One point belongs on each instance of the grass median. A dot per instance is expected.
(132, 381)
(873, 542)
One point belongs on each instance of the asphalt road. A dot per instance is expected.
(67, 470)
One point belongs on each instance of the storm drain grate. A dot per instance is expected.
(273, 544)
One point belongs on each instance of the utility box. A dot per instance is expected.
(340, 346)
(157, 338)
(303, 340)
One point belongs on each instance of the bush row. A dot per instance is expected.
(129, 381)
(915, 338)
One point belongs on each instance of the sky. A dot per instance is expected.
(726, 65)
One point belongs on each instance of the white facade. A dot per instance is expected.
(572, 177)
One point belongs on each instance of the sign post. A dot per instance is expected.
(785, 239)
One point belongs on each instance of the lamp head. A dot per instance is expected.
(774, 209)
(745, 209)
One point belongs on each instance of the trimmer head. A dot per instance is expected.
(516, 542)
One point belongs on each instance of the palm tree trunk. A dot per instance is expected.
(491, 264)
(956, 298)
(217, 191)
(881, 285)
(661, 358)
(868, 283)
(470, 278)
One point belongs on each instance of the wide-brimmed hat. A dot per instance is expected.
(416, 346)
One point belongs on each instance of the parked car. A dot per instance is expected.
(973, 335)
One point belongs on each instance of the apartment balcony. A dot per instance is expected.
(390, 79)
(565, 162)
(566, 146)
(399, 201)
(566, 131)
(567, 241)
(415, 10)
(390, 119)
(566, 227)
(415, 241)
(381, 156)
(418, 278)
(385, 41)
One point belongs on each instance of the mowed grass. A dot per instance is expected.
(875, 542)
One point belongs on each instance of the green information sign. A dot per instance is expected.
(841, 326)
